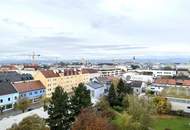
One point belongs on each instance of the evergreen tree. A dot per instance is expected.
(59, 111)
(122, 91)
(112, 97)
(80, 99)
(121, 88)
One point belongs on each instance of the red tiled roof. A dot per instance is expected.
(8, 67)
(160, 81)
(186, 82)
(49, 73)
(28, 86)
(172, 82)
(69, 72)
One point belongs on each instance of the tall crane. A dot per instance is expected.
(33, 56)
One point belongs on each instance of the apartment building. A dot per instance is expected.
(110, 72)
(71, 78)
(68, 78)
(49, 79)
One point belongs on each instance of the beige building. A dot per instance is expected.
(67, 79)
(71, 78)
(50, 80)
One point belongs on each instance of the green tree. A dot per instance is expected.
(141, 112)
(103, 107)
(81, 99)
(30, 123)
(59, 110)
(162, 105)
(122, 91)
(112, 96)
(23, 104)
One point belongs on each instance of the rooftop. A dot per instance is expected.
(6, 88)
(12, 76)
(49, 73)
(173, 81)
(28, 86)
(95, 85)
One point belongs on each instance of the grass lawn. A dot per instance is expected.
(173, 123)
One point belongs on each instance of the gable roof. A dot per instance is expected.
(28, 86)
(49, 73)
(12, 76)
(6, 88)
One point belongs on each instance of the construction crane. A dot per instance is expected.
(33, 56)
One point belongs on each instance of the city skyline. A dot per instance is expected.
(94, 29)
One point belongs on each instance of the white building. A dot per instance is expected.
(132, 76)
(97, 89)
(137, 86)
(155, 89)
(179, 104)
(8, 96)
(159, 73)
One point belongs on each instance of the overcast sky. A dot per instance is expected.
(74, 29)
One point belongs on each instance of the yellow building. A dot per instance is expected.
(68, 79)
(49, 79)
(71, 78)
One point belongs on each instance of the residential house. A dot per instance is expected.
(98, 88)
(33, 90)
(8, 95)
(137, 86)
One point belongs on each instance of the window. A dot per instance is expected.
(15, 97)
(25, 95)
(36, 92)
(9, 99)
(188, 107)
(30, 93)
(1, 101)
(40, 91)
